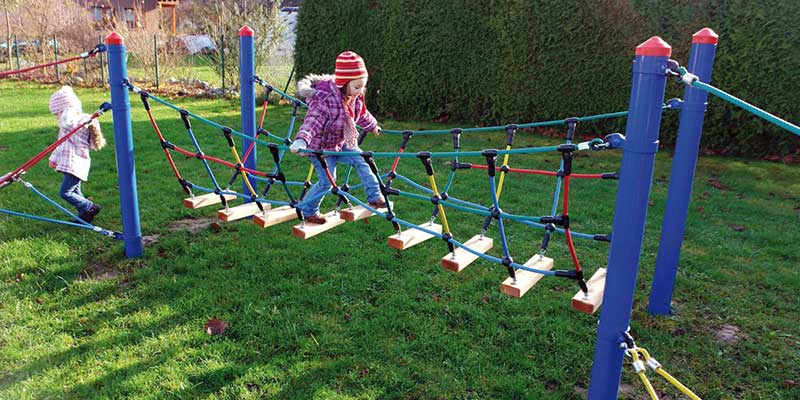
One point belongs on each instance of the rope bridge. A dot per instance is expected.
(522, 276)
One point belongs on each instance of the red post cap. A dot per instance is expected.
(246, 31)
(705, 36)
(655, 46)
(114, 38)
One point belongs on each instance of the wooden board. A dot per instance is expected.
(305, 230)
(590, 302)
(242, 211)
(359, 212)
(275, 216)
(526, 279)
(411, 237)
(205, 200)
(461, 258)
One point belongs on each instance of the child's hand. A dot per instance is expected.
(376, 131)
(298, 145)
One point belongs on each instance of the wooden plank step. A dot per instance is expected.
(461, 258)
(411, 237)
(359, 212)
(205, 200)
(526, 279)
(241, 211)
(590, 302)
(307, 230)
(275, 216)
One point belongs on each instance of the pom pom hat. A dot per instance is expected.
(63, 99)
(349, 66)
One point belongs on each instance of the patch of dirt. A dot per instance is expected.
(150, 240)
(728, 334)
(99, 271)
(193, 225)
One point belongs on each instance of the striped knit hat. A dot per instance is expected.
(62, 99)
(349, 66)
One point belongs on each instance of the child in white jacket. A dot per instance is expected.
(72, 157)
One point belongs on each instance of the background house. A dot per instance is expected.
(134, 13)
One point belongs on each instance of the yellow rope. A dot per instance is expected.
(244, 173)
(640, 369)
(441, 208)
(310, 173)
(656, 366)
(502, 173)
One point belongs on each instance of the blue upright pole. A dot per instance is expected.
(636, 175)
(690, 128)
(247, 96)
(123, 145)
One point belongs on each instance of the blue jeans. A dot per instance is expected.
(310, 204)
(71, 192)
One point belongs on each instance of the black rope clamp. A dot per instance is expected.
(425, 157)
(456, 132)
(454, 165)
(491, 160)
(273, 149)
(362, 136)
(510, 130)
(548, 231)
(167, 145)
(447, 237)
(295, 104)
(185, 117)
(321, 158)
(104, 106)
(199, 155)
(406, 137)
(572, 123)
(567, 154)
(100, 48)
(561, 220)
(495, 212)
(673, 69)
(145, 99)
(227, 132)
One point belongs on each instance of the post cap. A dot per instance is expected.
(245, 31)
(705, 36)
(655, 46)
(114, 38)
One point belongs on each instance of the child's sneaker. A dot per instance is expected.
(378, 204)
(88, 216)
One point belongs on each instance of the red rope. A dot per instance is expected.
(567, 233)
(40, 66)
(30, 163)
(166, 150)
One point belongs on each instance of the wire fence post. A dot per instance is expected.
(155, 55)
(102, 64)
(222, 58)
(291, 74)
(55, 54)
(16, 54)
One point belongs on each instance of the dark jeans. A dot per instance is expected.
(71, 192)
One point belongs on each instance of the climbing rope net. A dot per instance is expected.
(558, 220)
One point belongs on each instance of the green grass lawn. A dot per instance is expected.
(342, 316)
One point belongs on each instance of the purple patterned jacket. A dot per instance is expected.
(326, 120)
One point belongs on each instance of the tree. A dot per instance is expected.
(7, 6)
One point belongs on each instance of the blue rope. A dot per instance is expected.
(453, 241)
(500, 226)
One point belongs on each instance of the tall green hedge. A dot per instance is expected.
(472, 62)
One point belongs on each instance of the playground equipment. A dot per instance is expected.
(651, 68)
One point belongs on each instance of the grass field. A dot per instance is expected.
(341, 316)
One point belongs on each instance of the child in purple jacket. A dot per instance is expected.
(335, 106)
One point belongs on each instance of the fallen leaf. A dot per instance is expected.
(485, 299)
(215, 326)
(347, 316)
(789, 383)
(717, 184)
(364, 372)
(737, 228)
(701, 209)
(436, 297)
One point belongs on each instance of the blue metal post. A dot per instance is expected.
(247, 96)
(636, 175)
(123, 145)
(690, 128)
